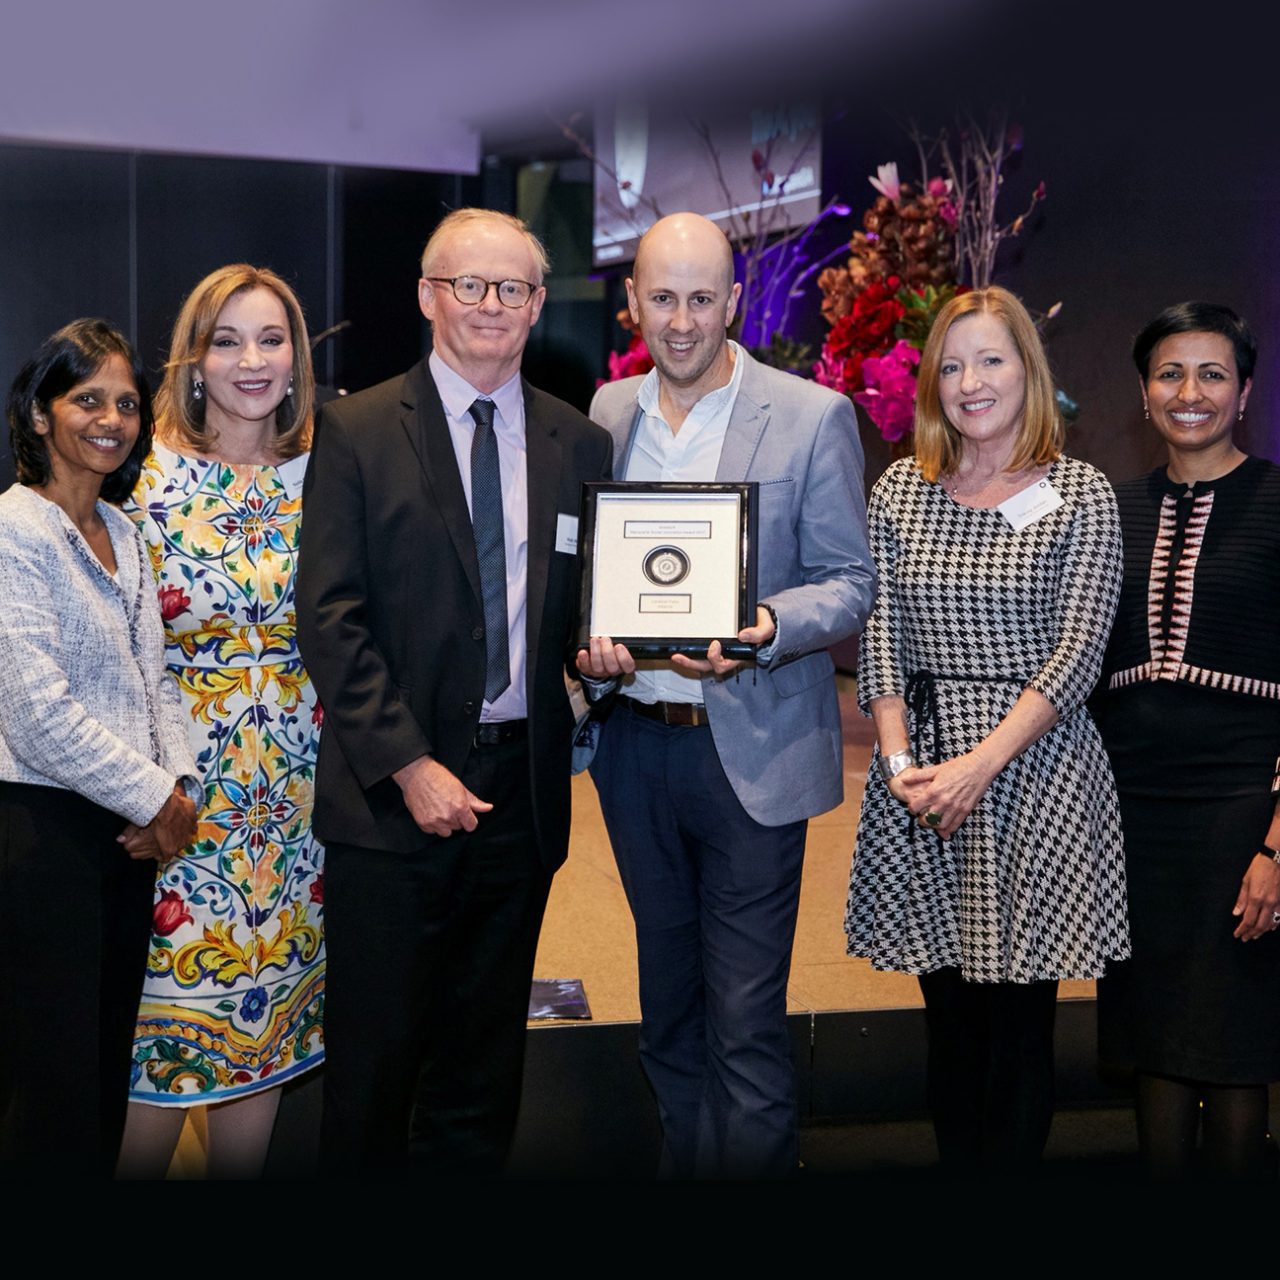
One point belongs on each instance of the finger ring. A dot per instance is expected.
(1275, 918)
(933, 818)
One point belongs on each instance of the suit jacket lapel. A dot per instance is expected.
(624, 438)
(423, 420)
(747, 423)
(542, 460)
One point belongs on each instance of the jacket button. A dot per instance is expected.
(477, 633)
(468, 707)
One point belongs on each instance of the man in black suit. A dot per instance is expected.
(437, 594)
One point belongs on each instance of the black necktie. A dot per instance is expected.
(491, 551)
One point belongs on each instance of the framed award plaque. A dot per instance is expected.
(668, 568)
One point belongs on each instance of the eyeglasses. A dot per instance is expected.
(472, 291)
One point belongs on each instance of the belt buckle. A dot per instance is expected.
(683, 715)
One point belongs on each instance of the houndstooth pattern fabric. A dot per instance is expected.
(1032, 884)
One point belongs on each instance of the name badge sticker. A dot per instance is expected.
(567, 534)
(1030, 504)
(292, 473)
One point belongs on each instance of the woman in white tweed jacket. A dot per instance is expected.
(97, 780)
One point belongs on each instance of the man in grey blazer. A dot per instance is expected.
(708, 769)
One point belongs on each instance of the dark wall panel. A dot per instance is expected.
(127, 236)
(196, 214)
(64, 225)
(387, 217)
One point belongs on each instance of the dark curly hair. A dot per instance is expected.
(64, 360)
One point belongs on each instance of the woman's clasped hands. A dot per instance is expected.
(941, 796)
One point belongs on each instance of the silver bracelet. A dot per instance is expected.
(891, 766)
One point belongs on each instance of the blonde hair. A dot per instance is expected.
(461, 218)
(1040, 439)
(180, 417)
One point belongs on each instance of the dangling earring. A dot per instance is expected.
(1146, 414)
(197, 390)
(289, 389)
(1240, 416)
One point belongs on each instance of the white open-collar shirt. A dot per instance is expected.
(688, 456)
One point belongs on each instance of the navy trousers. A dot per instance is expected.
(714, 895)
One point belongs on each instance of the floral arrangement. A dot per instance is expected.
(917, 245)
(635, 359)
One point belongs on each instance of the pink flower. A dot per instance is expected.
(886, 181)
(939, 187)
(947, 212)
(634, 360)
(890, 394)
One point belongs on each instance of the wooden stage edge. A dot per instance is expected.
(588, 933)
(587, 1111)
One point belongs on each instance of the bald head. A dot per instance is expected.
(688, 238)
(683, 298)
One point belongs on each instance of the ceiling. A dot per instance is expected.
(411, 84)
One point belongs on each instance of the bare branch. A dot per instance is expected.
(589, 153)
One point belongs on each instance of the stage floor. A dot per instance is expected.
(588, 932)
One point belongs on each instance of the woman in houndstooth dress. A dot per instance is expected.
(989, 859)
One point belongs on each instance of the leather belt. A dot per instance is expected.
(684, 714)
(496, 732)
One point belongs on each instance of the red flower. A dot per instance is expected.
(317, 889)
(317, 716)
(173, 600)
(840, 367)
(875, 312)
(851, 373)
(168, 914)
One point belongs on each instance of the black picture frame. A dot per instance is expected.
(664, 566)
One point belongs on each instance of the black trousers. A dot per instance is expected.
(990, 1069)
(75, 922)
(429, 960)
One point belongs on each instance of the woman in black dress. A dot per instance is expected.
(1191, 718)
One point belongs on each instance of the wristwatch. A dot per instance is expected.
(891, 766)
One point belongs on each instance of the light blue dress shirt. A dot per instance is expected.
(457, 395)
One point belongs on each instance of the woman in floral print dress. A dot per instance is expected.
(233, 1000)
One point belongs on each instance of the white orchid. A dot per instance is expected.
(886, 181)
